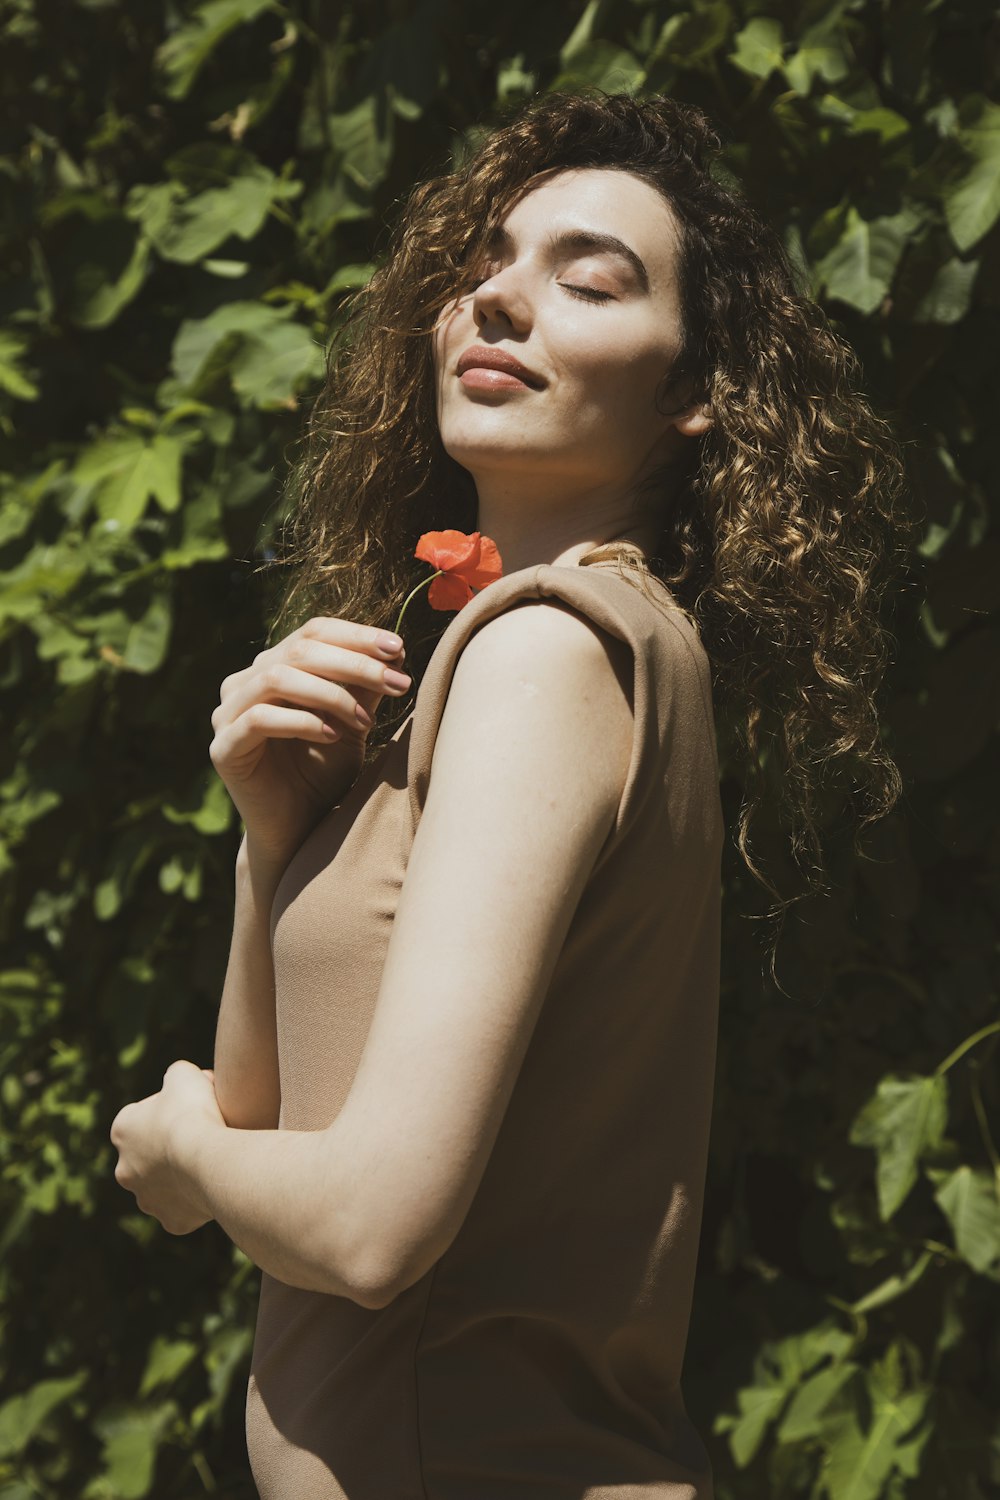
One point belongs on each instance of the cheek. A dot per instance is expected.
(622, 383)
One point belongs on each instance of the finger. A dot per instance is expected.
(348, 633)
(331, 699)
(313, 675)
(264, 721)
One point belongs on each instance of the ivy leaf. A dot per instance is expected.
(99, 295)
(13, 379)
(602, 65)
(759, 48)
(131, 1437)
(183, 55)
(860, 267)
(147, 641)
(778, 1373)
(949, 296)
(821, 53)
(364, 151)
(969, 1199)
(266, 355)
(861, 1459)
(690, 39)
(805, 1417)
(186, 228)
(202, 539)
(904, 1119)
(167, 1359)
(22, 1416)
(971, 198)
(126, 472)
(211, 812)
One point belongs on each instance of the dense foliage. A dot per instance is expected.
(188, 191)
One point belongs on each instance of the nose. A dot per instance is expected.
(501, 298)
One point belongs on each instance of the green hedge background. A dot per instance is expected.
(188, 193)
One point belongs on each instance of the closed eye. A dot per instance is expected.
(589, 292)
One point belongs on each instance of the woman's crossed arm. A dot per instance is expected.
(528, 770)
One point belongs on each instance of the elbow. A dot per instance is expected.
(371, 1286)
(382, 1273)
(384, 1277)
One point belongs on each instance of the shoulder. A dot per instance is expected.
(543, 684)
(554, 642)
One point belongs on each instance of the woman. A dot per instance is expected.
(461, 1101)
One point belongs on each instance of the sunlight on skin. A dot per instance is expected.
(555, 467)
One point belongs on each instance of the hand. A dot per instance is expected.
(273, 745)
(150, 1136)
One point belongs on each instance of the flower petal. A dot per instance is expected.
(449, 550)
(490, 567)
(448, 591)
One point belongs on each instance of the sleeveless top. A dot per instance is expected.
(542, 1353)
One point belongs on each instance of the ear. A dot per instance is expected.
(694, 420)
(690, 418)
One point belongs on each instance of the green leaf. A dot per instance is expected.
(602, 65)
(148, 639)
(365, 153)
(184, 54)
(949, 296)
(265, 353)
(759, 48)
(860, 1460)
(99, 296)
(779, 1368)
(125, 472)
(822, 53)
(203, 539)
(131, 1436)
(167, 1359)
(690, 39)
(893, 1286)
(971, 198)
(13, 379)
(805, 1416)
(210, 812)
(582, 34)
(187, 228)
(860, 267)
(970, 1199)
(22, 1417)
(905, 1118)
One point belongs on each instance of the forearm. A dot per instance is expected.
(281, 1196)
(246, 1043)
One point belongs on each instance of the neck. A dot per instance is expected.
(541, 527)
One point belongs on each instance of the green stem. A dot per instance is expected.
(410, 595)
(970, 1041)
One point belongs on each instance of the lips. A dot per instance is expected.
(489, 357)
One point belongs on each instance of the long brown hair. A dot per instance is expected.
(784, 525)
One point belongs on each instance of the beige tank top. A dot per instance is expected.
(541, 1355)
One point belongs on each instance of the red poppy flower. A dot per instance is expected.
(465, 562)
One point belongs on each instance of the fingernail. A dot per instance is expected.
(388, 643)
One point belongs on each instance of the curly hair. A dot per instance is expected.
(783, 528)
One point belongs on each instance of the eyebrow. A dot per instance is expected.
(577, 239)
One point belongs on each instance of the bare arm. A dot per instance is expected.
(284, 764)
(529, 768)
(532, 755)
(246, 1042)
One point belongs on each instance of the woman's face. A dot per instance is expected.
(597, 326)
